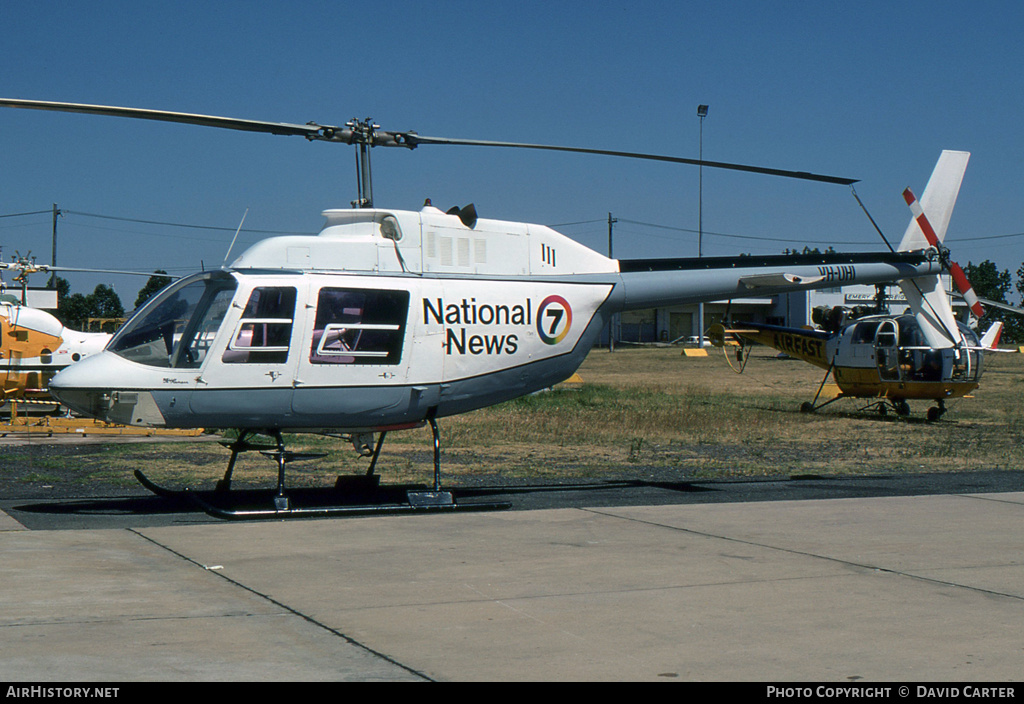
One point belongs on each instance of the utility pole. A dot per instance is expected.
(611, 221)
(53, 249)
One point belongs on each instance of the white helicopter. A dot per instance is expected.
(891, 359)
(392, 319)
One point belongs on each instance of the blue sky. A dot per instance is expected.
(868, 90)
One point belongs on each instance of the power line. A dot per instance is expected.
(731, 236)
(176, 224)
(154, 222)
(160, 235)
(34, 212)
(763, 238)
(581, 222)
(557, 225)
(989, 237)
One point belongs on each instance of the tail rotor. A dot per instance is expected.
(959, 277)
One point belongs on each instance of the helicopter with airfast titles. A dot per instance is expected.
(891, 359)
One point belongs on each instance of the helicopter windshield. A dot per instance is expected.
(912, 336)
(177, 327)
(969, 335)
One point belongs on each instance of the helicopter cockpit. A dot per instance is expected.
(176, 329)
(902, 353)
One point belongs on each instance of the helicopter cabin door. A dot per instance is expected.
(354, 360)
(250, 378)
(887, 351)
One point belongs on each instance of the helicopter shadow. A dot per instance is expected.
(865, 413)
(383, 498)
(112, 506)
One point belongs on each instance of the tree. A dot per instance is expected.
(105, 303)
(1014, 321)
(988, 282)
(74, 310)
(63, 288)
(809, 250)
(154, 284)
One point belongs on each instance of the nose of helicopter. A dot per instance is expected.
(83, 385)
(100, 387)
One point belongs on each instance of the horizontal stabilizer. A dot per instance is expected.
(718, 332)
(990, 340)
(996, 304)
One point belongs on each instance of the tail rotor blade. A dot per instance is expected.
(919, 216)
(959, 277)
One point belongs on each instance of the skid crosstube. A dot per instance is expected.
(352, 496)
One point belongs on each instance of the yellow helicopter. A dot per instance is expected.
(925, 354)
(392, 319)
(34, 345)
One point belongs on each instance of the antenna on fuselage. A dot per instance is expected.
(231, 246)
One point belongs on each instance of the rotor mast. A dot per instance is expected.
(363, 133)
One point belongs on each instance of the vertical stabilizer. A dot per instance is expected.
(938, 199)
(927, 297)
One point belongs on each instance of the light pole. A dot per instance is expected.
(613, 318)
(702, 112)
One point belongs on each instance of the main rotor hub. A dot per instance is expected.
(363, 131)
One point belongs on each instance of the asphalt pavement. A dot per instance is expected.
(874, 579)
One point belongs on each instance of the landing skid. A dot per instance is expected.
(413, 503)
(352, 495)
(312, 503)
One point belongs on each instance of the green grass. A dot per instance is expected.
(638, 411)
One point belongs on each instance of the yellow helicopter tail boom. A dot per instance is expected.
(807, 345)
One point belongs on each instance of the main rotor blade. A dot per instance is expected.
(310, 131)
(416, 139)
(379, 138)
(46, 268)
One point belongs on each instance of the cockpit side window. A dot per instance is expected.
(969, 335)
(198, 336)
(359, 326)
(865, 332)
(886, 335)
(264, 332)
